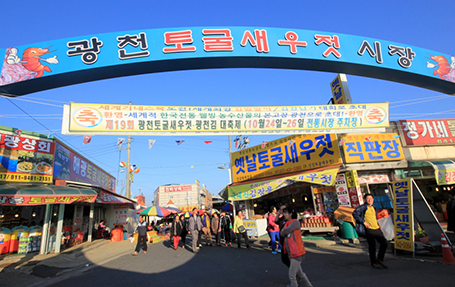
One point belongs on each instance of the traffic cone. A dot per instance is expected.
(447, 255)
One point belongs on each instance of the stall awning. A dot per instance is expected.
(38, 194)
(258, 188)
(444, 171)
(112, 198)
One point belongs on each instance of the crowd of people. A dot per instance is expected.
(283, 228)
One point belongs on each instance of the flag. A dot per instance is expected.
(237, 141)
(49, 136)
(18, 133)
(207, 142)
(120, 142)
(291, 142)
(151, 142)
(87, 139)
(264, 143)
(179, 142)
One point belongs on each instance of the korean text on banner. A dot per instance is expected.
(403, 214)
(285, 155)
(428, 132)
(371, 147)
(261, 188)
(84, 118)
(25, 158)
(340, 90)
(24, 200)
(445, 176)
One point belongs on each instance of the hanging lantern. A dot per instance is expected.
(136, 170)
(122, 164)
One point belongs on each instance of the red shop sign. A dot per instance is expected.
(428, 132)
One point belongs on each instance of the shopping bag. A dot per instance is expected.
(387, 228)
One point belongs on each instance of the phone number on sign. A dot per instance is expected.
(24, 177)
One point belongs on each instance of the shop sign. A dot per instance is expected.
(340, 90)
(285, 155)
(371, 147)
(44, 199)
(105, 197)
(355, 194)
(177, 188)
(249, 224)
(261, 188)
(403, 214)
(71, 166)
(445, 176)
(187, 208)
(428, 132)
(83, 118)
(342, 190)
(121, 214)
(324, 189)
(25, 158)
(373, 177)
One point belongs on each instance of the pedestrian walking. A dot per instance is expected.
(274, 230)
(141, 236)
(240, 230)
(214, 225)
(225, 222)
(194, 228)
(281, 221)
(293, 246)
(206, 228)
(176, 231)
(366, 215)
(184, 230)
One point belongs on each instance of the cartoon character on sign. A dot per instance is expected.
(30, 66)
(445, 70)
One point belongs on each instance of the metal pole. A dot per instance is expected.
(90, 223)
(58, 237)
(128, 181)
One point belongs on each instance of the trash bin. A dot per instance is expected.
(348, 231)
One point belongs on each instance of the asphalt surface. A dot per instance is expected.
(229, 266)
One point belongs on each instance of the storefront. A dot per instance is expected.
(51, 197)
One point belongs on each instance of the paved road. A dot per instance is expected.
(220, 266)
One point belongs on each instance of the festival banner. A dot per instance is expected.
(261, 188)
(24, 200)
(403, 214)
(285, 155)
(26, 157)
(108, 119)
(371, 147)
(428, 132)
(355, 194)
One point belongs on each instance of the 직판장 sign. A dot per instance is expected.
(84, 118)
(371, 147)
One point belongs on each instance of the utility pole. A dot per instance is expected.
(128, 171)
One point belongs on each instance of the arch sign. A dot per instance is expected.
(32, 68)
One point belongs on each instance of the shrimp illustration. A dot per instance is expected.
(31, 58)
(445, 70)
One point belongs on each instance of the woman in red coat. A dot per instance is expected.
(293, 246)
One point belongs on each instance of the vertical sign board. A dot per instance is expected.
(355, 195)
(342, 190)
(340, 90)
(403, 214)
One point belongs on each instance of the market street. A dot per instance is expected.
(336, 265)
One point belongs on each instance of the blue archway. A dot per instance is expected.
(37, 67)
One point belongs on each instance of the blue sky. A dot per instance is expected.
(414, 23)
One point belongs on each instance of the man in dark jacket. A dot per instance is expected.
(142, 236)
(194, 228)
(366, 215)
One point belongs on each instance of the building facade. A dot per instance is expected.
(184, 196)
